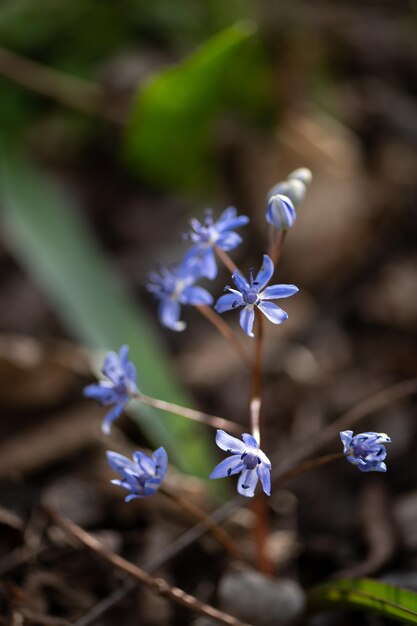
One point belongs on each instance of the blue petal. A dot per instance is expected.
(169, 314)
(132, 496)
(208, 264)
(124, 356)
(227, 467)
(229, 301)
(265, 476)
(250, 441)
(231, 223)
(102, 392)
(119, 463)
(279, 291)
(247, 483)
(112, 367)
(229, 241)
(240, 281)
(265, 273)
(160, 459)
(196, 295)
(246, 319)
(373, 467)
(151, 486)
(227, 215)
(346, 437)
(113, 414)
(273, 312)
(145, 463)
(228, 443)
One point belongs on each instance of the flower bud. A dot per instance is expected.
(303, 174)
(280, 212)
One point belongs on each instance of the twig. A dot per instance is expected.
(192, 414)
(375, 517)
(307, 466)
(72, 92)
(224, 329)
(158, 585)
(226, 260)
(222, 536)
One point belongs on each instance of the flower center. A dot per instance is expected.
(250, 296)
(250, 460)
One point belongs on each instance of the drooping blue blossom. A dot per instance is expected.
(174, 286)
(280, 212)
(117, 388)
(247, 459)
(142, 476)
(214, 233)
(365, 450)
(253, 294)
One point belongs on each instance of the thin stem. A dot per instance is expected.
(197, 416)
(226, 260)
(260, 507)
(221, 536)
(69, 91)
(307, 466)
(276, 244)
(224, 328)
(158, 585)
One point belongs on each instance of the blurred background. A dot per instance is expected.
(118, 122)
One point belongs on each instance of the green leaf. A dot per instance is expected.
(45, 230)
(366, 594)
(170, 135)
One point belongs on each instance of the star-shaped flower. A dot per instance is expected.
(209, 234)
(246, 458)
(118, 388)
(175, 286)
(142, 476)
(365, 450)
(254, 294)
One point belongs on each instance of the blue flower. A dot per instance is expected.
(366, 450)
(118, 388)
(220, 233)
(246, 458)
(280, 212)
(143, 475)
(174, 286)
(254, 294)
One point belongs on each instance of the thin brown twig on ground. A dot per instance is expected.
(221, 535)
(158, 585)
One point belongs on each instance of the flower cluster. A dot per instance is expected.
(366, 450)
(175, 286)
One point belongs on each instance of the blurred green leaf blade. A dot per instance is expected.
(169, 139)
(366, 594)
(46, 232)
